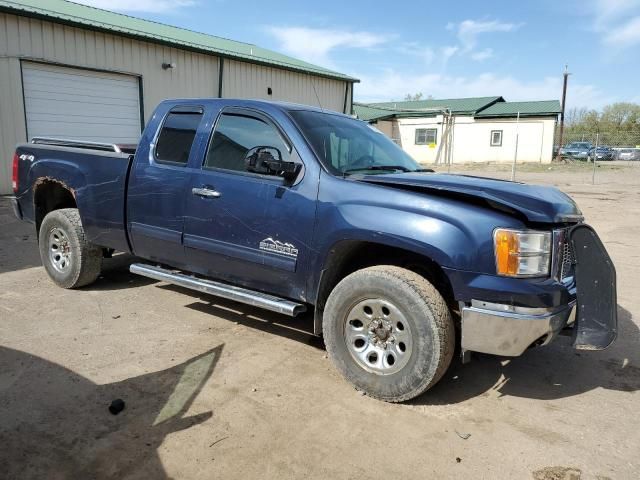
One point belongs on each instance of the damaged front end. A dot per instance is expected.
(596, 323)
(582, 267)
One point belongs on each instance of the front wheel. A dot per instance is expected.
(389, 332)
(69, 259)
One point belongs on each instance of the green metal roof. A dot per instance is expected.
(97, 19)
(511, 109)
(456, 105)
(368, 113)
(480, 107)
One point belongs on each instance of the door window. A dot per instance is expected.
(176, 137)
(244, 143)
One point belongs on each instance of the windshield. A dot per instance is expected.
(579, 145)
(345, 145)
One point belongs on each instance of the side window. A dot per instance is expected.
(175, 139)
(245, 144)
(496, 138)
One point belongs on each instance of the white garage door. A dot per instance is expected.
(71, 103)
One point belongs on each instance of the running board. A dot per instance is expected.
(230, 292)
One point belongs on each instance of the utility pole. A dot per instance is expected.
(564, 98)
(515, 154)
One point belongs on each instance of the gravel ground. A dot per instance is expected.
(219, 390)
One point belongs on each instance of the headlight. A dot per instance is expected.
(522, 253)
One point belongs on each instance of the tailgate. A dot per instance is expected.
(595, 276)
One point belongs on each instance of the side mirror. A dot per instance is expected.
(268, 161)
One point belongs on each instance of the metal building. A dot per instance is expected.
(72, 71)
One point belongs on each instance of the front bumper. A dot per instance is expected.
(509, 322)
(505, 330)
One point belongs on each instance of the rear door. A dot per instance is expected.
(243, 224)
(158, 184)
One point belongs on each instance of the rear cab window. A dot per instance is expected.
(177, 135)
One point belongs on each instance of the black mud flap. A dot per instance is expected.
(595, 276)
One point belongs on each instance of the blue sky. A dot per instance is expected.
(516, 49)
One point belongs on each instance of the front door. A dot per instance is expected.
(245, 223)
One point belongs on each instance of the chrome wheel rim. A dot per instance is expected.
(59, 250)
(378, 336)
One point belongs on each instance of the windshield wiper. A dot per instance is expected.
(390, 168)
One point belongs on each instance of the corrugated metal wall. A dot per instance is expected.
(196, 75)
(248, 80)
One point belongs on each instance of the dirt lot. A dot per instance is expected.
(219, 390)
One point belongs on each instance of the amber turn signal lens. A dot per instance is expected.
(506, 244)
(522, 253)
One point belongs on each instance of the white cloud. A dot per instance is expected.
(617, 22)
(315, 44)
(390, 85)
(415, 49)
(605, 10)
(624, 36)
(482, 55)
(469, 30)
(152, 6)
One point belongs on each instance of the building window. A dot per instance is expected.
(426, 136)
(496, 138)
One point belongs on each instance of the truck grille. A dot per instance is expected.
(564, 260)
(567, 261)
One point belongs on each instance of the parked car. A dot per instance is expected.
(628, 154)
(601, 153)
(293, 208)
(576, 150)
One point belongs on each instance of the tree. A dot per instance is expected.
(617, 124)
(413, 98)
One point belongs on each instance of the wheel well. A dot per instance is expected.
(51, 195)
(350, 256)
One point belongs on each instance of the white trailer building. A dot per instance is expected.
(466, 130)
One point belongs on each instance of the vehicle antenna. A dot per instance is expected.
(313, 84)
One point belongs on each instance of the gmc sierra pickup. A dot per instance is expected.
(290, 208)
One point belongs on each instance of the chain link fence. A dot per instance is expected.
(605, 157)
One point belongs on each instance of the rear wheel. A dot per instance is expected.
(69, 259)
(389, 332)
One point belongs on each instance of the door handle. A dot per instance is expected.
(205, 192)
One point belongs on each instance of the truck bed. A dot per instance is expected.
(95, 176)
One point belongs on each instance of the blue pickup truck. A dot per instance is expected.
(292, 208)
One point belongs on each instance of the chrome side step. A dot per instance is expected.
(230, 292)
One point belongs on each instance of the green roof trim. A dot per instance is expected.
(456, 105)
(62, 11)
(479, 107)
(368, 113)
(511, 109)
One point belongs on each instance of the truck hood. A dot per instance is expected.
(538, 203)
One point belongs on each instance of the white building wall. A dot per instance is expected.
(472, 139)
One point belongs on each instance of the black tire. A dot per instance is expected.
(84, 258)
(423, 308)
